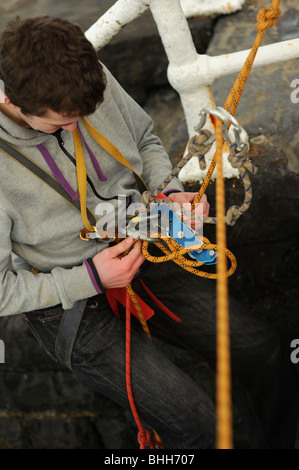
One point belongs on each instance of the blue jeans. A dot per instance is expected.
(265, 387)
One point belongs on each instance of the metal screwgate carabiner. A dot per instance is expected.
(226, 119)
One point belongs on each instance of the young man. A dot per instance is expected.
(53, 80)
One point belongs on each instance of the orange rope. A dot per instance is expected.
(144, 437)
(266, 18)
(224, 435)
(131, 293)
(174, 252)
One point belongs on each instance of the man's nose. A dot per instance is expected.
(70, 127)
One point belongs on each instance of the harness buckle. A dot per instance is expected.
(87, 236)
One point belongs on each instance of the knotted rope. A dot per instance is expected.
(268, 17)
(195, 146)
(239, 160)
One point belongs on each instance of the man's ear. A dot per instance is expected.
(7, 101)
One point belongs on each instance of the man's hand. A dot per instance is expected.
(115, 269)
(184, 197)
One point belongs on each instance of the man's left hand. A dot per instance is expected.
(200, 210)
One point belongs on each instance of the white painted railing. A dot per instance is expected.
(189, 73)
(210, 7)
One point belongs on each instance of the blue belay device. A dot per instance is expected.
(184, 236)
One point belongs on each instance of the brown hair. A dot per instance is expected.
(48, 63)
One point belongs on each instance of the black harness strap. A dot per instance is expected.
(71, 318)
(43, 175)
(67, 332)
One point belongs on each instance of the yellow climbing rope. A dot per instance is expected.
(174, 252)
(224, 435)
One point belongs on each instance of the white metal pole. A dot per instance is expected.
(226, 64)
(109, 24)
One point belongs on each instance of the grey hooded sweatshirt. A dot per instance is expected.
(40, 229)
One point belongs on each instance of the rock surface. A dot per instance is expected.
(42, 406)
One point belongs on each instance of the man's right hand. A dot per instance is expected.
(115, 269)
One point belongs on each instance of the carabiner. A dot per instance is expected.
(226, 118)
